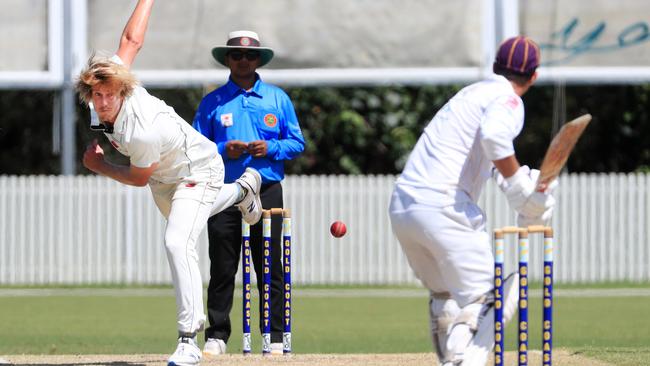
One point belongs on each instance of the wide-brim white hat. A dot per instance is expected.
(246, 40)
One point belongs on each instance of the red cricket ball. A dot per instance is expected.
(338, 229)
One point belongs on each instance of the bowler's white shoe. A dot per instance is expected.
(251, 205)
(187, 353)
(214, 347)
(277, 348)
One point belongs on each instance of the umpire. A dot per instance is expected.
(253, 124)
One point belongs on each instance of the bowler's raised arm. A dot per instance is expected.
(133, 35)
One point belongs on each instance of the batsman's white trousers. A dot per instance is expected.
(187, 207)
(447, 247)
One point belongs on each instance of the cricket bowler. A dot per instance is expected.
(182, 168)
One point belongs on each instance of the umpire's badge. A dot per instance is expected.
(226, 120)
(270, 120)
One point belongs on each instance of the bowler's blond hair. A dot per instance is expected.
(102, 70)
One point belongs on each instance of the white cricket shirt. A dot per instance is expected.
(456, 149)
(148, 131)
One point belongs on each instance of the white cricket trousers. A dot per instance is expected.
(187, 207)
(447, 247)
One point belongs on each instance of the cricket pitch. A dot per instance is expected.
(560, 357)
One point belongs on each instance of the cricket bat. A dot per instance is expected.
(559, 150)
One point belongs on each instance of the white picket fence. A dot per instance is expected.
(92, 230)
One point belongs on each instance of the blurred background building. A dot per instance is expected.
(44, 43)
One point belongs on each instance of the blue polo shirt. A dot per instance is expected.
(263, 113)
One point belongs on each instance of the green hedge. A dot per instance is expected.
(366, 130)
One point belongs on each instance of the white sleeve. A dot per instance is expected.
(117, 60)
(501, 123)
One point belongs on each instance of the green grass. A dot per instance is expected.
(611, 329)
(532, 284)
(621, 356)
(104, 324)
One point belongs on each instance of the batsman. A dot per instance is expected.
(434, 211)
(182, 168)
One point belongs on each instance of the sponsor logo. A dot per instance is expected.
(190, 185)
(270, 120)
(512, 102)
(245, 41)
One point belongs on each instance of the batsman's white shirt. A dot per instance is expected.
(456, 149)
(433, 208)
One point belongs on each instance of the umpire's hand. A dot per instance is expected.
(234, 148)
(258, 149)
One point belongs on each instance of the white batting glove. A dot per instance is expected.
(550, 189)
(525, 221)
(522, 195)
(503, 183)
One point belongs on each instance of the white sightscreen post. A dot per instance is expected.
(488, 36)
(79, 35)
(507, 19)
(55, 65)
(70, 63)
(55, 38)
(505, 14)
(500, 21)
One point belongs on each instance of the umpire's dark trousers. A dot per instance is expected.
(224, 234)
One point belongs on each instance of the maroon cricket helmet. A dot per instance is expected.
(519, 55)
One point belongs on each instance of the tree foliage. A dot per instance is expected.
(364, 130)
(617, 139)
(26, 133)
